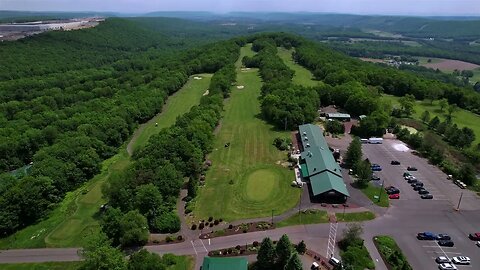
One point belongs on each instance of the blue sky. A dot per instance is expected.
(394, 7)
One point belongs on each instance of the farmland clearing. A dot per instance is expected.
(244, 180)
(446, 65)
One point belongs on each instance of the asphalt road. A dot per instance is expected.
(402, 220)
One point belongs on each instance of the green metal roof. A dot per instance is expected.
(322, 169)
(327, 181)
(233, 263)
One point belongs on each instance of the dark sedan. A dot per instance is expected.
(427, 196)
(445, 243)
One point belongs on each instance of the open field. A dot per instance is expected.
(302, 75)
(462, 118)
(307, 217)
(179, 103)
(245, 180)
(446, 65)
(41, 266)
(75, 217)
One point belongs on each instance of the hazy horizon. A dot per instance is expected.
(361, 7)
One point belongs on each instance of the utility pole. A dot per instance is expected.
(459, 201)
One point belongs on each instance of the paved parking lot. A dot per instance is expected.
(435, 181)
(410, 214)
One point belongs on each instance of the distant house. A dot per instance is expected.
(338, 116)
(217, 263)
(319, 167)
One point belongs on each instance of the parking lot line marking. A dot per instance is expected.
(203, 245)
(196, 253)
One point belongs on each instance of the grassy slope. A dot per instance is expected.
(41, 266)
(462, 118)
(75, 217)
(178, 104)
(225, 194)
(302, 75)
(355, 217)
(371, 191)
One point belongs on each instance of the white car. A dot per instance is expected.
(461, 260)
(447, 266)
(442, 259)
(477, 243)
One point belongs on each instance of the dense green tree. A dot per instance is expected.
(144, 260)
(134, 229)
(407, 103)
(294, 262)
(433, 124)
(363, 170)
(467, 174)
(354, 153)
(167, 222)
(148, 201)
(99, 255)
(351, 235)
(301, 247)
(335, 127)
(266, 255)
(443, 103)
(110, 224)
(283, 250)
(425, 117)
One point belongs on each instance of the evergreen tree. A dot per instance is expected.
(283, 250)
(266, 255)
(354, 153)
(433, 124)
(301, 247)
(364, 171)
(294, 263)
(425, 116)
(99, 255)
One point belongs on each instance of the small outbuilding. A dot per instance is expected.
(218, 263)
(339, 116)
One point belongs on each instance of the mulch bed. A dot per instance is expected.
(239, 229)
(168, 240)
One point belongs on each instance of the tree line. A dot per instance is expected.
(159, 169)
(68, 129)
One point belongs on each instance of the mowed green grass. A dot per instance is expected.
(476, 76)
(77, 215)
(371, 191)
(462, 118)
(183, 263)
(308, 217)
(41, 266)
(302, 75)
(230, 191)
(354, 217)
(177, 104)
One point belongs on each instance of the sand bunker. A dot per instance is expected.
(206, 92)
(240, 87)
(197, 78)
(400, 147)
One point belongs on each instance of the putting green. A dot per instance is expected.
(260, 184)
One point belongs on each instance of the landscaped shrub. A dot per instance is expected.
(211, 225)
(179, 238)
(238, 247)
(216, 222)
(201, 226)
(194, 227)
(220, 220)
(255, 243)
(391, 253)
(230, 226)
(210, 219)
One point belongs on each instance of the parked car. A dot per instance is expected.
(427, 196)
(447, 266)
(417, 184)
(394, 196)
(460, 184)
(376, 168)
(393, 191)
(334, 261)
(413, 180)
(405, 174)
(442, 259)
(395, 162)
(426, 236)
(411, 168)
(461, 260)
(375, 177)
(445, 243)
(477, 243)
(408, 177)
(417, 188)
(350, 172)
(423, 191)
(443, 236)
(474, 236)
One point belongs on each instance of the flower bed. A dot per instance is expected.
(239, 229)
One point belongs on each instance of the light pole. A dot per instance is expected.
(459, 201)
(380, 193)
(272, 216)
